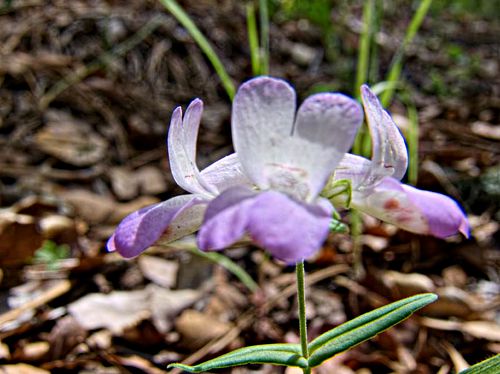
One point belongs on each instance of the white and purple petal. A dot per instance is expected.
(418, 211)
(182, 137)
(389, 154)
(143, 228)
(225, 173)
(262, 124)
(288, 229)
(324, 130)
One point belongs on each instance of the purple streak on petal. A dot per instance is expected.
(141, 229)
(225, 219)
(291, 231)
(444, 216)
(354, 168)
(390, 157)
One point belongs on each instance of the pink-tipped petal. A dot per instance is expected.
(182, 137)
(325, 128)
(418, 211)
(143, 228)
(262, 124)
(444, 216)
(289, 230)
(389, 155)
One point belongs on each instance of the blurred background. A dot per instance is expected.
(86, 93)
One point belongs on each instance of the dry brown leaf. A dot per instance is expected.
(404, 285)
(124, 183)
(197, 328)
(32, 351)
(70, 140)
(139, 363)
(93, 208)
(21, 369)
(4, 351)
(486, 130)
(119, 310)
(479, 329)
(158, 270)
(452, 301)
(19, 238)
(151, 180)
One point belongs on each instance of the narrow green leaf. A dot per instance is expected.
(230, 265)
(364, 327)
(202, 42)
(253, 39)
(397, 64)
(488, 366)
(276, 354)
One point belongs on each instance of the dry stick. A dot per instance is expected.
(55, 291)
(99, 62)
(217, 344)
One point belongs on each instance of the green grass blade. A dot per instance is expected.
(363, 67)
(364, 327)
(276, 354)
(202, 42)
(364, 46)
(264, 36)
(253, 39)
(397, 64)
(230, 265)
(412, 139)
(488, 366)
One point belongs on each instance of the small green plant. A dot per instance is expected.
(50, 253)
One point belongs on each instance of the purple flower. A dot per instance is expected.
(269, 189)
(376, 187)
(181, 215)
(289, 156)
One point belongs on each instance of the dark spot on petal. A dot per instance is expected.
(391, 204)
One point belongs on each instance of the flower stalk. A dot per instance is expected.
(299, 269)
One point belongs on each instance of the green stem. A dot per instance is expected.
(302, 311)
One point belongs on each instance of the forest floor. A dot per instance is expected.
(86, 93)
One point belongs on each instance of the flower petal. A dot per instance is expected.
(289, 230)
(326, 125)
(225, 173)
(418, 211)
(354, 168)
(182, 136)
(141, 229)
(262, 122)
(389, 155)
(225, 219)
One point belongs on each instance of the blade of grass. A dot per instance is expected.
(397, 63)
(363, 67)
(264, 37)
(253, 39)
(103, 60)
(202, 42)
(412, 139)
(231, 266)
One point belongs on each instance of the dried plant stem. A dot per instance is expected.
(302, 311)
